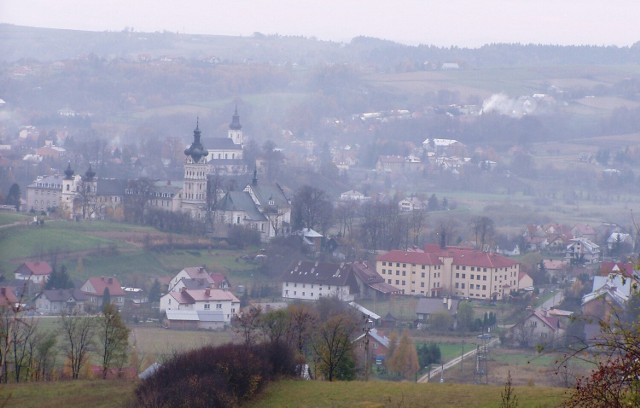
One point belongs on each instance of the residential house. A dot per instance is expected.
(95, 288)
(307, 280)
(196, 273)
(59, 301)
(626, 269)
(378, 346)
(311, 240)
(353, 195)
(581, 250)
(538, 328)
(525, 282)
(220, 281)
(411, 204)
(199, 308)
(608, 298)
(427, 307)
(584, 231)
(33, 271)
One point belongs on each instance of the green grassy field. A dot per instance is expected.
(111, 249)
(308, 394)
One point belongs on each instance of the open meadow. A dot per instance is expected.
(115, 249)
(290, 394)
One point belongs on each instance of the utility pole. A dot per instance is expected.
(368, 323)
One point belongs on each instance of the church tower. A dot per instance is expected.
(194, 193)
(69, 191)
(235, 129)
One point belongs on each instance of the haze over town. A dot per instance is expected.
(462, 23)
(415, 193)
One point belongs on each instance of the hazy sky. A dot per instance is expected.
(470, 23)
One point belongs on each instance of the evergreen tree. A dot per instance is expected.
(106, 298)
(13, 197)
(154, 291)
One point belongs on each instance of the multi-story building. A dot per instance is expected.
(44, 193)
(452, 271)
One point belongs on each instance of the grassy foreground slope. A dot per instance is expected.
(283, 394)
(310, 394)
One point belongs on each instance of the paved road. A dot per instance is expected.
(555, 300)
(435, 373)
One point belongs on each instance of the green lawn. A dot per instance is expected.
(112, 249)
(10, 218)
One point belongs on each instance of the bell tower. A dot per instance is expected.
(235, 129)
(194, 194)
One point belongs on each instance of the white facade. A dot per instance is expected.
(311, 291)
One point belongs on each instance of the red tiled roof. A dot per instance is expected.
(102, 282)
(38, 267)
(190, 296)
(610, 267)
(471, 257)
(413, 257)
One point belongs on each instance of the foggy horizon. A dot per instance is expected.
(458, 23)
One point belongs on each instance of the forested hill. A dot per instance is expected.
(42, 44)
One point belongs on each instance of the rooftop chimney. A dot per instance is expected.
(207, 292)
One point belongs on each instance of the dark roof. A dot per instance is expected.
(111, 187)
(62, 295)
(196, 150)
(224, 143)
(320, 273)
(195, 283)
(241, 201)
(372, 279)
(435, 305)
(266, 192)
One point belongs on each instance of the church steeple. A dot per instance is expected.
(235, 121)
(89, 174)
(196, 150)
(68, 173)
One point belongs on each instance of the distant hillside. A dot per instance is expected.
(17, 43)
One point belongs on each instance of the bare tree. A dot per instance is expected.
(77, 333)
(311, 207)
(23, 345)
(136, 199)
(483, 229)
(247, 325)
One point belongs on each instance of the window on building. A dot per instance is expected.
(207, 306)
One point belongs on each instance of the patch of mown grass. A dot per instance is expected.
(10, 218)
(64, 394)
(309, 394)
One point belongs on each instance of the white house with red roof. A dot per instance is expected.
(33, 271)
(538, 328)
(95, 287)
(453, 271)
(199, 308)
(198, 273)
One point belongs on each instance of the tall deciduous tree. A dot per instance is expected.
(404, 360)
(311, 208)
(332, 346)
(113, 337)
(77, 333)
